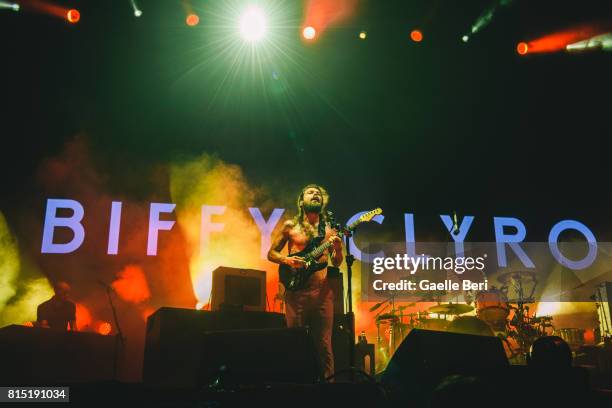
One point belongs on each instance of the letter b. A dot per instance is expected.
(73, 222)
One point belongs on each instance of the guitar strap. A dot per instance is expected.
(321, 232)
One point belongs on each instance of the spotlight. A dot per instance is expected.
(522, 48)
(465, 38)
(252, 24)
(309, 33)
(137, 10)
(363, 35)
(416, 35)
(73, 16)
(192, 20)
(12, 6)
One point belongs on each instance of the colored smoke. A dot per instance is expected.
(131, 284)
(207, 180)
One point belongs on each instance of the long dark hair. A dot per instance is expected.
(299, 218)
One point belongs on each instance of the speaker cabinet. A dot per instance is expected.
(173, 345)
(425, 357)
(248, 357)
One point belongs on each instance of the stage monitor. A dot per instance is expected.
(238, 289)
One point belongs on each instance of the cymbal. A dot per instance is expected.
(406, 306)
(450, 309)
(376, 306)
(387, 316)
(505, 278)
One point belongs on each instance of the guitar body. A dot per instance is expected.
(296, 278)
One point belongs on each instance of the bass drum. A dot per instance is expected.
(492, 307)
(470, 325)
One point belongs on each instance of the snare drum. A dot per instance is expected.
(492, 307)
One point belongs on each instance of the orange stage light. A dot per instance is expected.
(104, 328)
(558, 41)
(416, 35)
(73, 16)
(522, 48)
(325, 13)
(192, 20)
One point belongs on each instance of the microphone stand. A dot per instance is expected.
(351, 316)
(119, 339)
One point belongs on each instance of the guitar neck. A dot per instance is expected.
(315, 253)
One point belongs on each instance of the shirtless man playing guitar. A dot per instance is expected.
(311, 302)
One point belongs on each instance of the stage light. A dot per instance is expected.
(522, 48)
(416, 35)
(12, 6)
(363, 35)
(309, 33)
(73, 16)
(192, 20)
(137, 11)
(104, 328)
(559, 40)
(599, 42)
(465, 38)
(252, 24)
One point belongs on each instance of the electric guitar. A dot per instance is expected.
(295, 278)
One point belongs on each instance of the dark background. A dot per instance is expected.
(423, 128)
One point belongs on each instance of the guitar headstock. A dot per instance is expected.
(370, 214)
(366, 217)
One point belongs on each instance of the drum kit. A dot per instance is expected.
(510, 319)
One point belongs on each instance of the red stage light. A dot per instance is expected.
(192, 20)
(522, 48)
(558, 41)
(416, 35)
(104, 328)
(73, 16)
